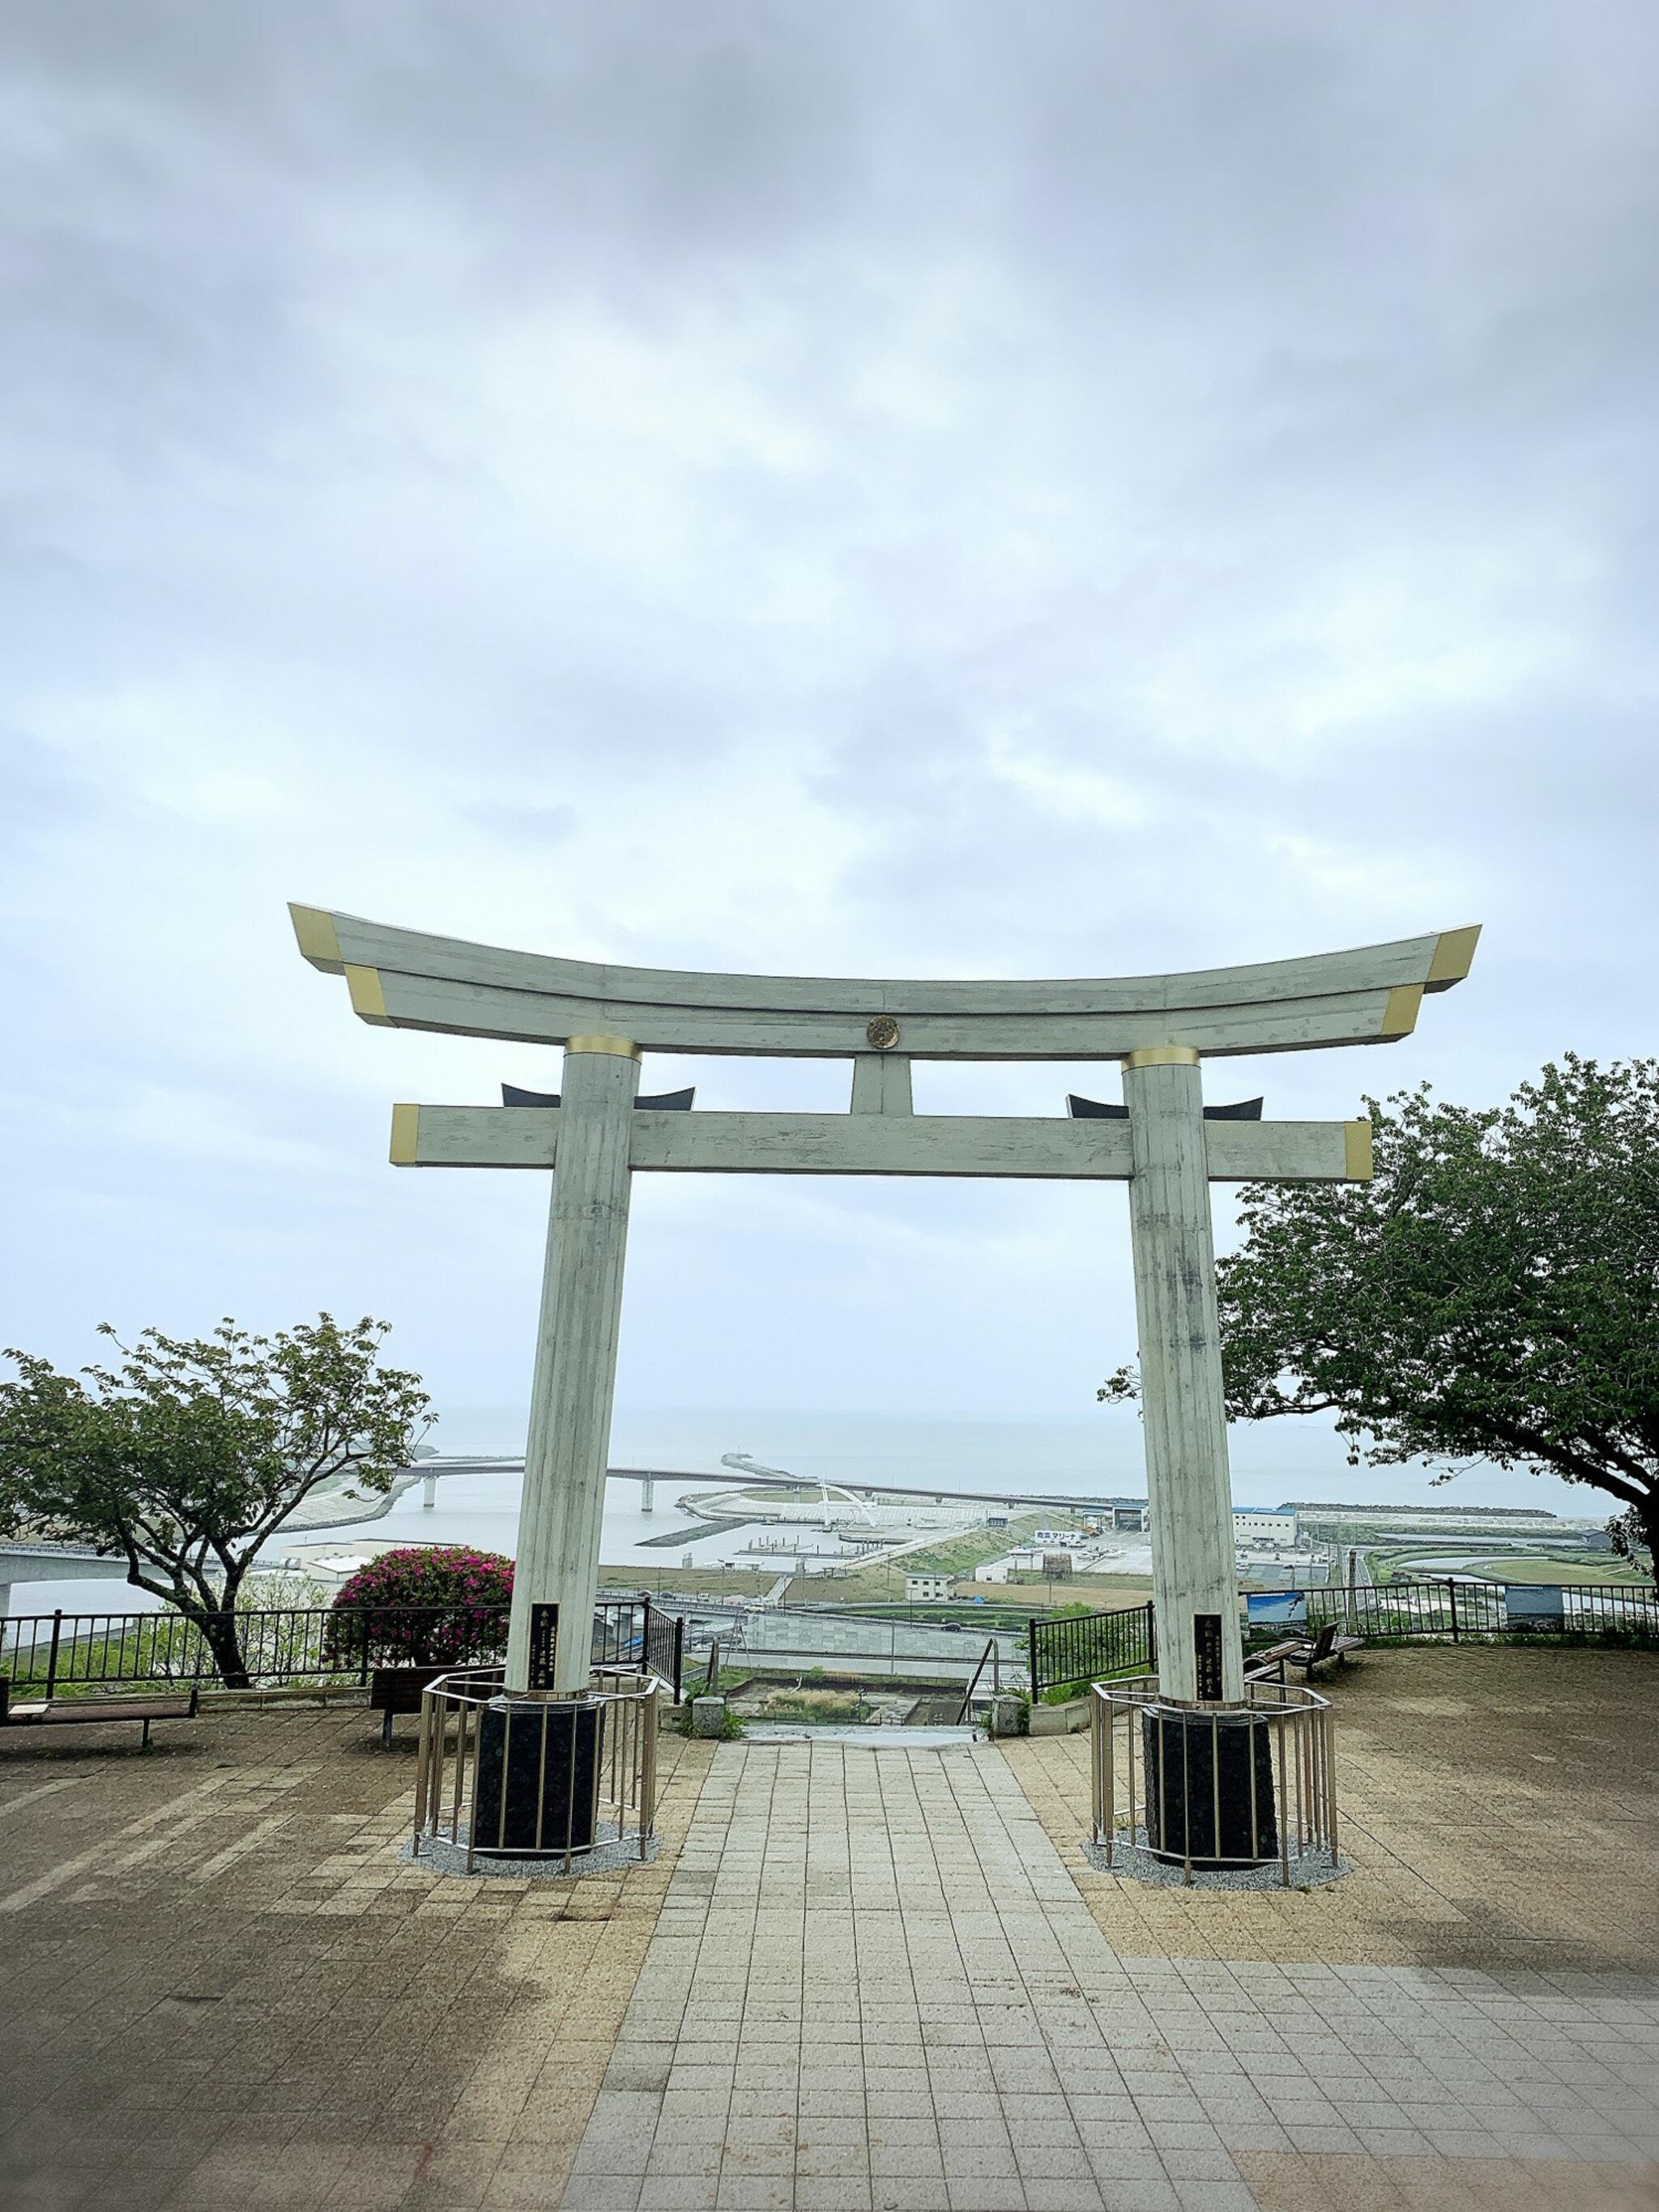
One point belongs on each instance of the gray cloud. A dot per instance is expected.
(873, 489)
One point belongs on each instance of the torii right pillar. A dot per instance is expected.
(1210, 1795)
(1189, 1493)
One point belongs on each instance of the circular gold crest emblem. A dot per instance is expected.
(883, 1032)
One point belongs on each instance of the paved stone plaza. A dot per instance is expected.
(853, 1978)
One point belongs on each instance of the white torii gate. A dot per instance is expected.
(1159, 1028)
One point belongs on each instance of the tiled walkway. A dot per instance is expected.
(874, 1984)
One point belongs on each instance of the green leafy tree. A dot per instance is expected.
(188, 1455)
(1631, 1541)
(1492, 1294)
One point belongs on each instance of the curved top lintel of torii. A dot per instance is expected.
(407, 979)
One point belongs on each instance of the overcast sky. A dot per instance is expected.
(883, 488)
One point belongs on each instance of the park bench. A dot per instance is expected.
(394, 1690)
(1306, 1652)
(76, 1713)
(1269, 1665)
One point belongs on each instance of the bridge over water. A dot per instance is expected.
(745, 1478)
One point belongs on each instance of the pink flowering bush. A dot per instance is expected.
(427, 1605)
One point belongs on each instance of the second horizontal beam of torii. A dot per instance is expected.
(1031, 1146)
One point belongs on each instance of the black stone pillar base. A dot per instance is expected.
(535, 1792)
(1209, 1787)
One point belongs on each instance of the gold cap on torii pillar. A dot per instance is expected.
(620, 1046)
(1163, 1055)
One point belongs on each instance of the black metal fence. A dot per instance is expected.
(663, 1646)
(46, 1654)
(1087, 1647)
(1091, 1647)
(1472, 1612)
(632, 1632)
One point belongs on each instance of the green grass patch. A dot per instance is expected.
(713, 1582)
(960, 1555)
(1541, 1568)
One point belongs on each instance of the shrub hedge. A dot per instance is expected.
(426, 1605)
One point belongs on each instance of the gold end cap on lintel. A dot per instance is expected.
(621, 1047)
(314, 932)
(1163, 1055)
(1453, 955)
(1399, 1013)
(1358, 1162)
(405, 1136)
(367, 999)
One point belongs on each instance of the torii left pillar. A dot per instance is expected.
(569, 1447)
(541, 1744)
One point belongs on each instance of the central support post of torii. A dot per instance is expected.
(596, 1132)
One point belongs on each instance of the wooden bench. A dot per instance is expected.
(394, 1690)
(1269, 1665)
(76, 1713)
(1306, 1652)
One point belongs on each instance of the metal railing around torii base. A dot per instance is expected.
(1214, 1790)
(544, 1778)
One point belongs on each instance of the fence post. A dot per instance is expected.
(1031, 1647)
(362, 1670)
(1452, 1589)
(52, 1655)
(679, 1652)
(1151, 1638)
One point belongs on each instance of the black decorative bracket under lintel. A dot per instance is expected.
(666, 1101)
(1094, 1110)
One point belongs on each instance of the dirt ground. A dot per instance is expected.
(1500, 1806)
